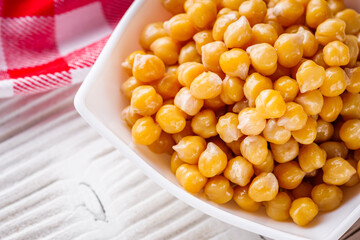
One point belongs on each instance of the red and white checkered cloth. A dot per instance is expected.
(46, 44)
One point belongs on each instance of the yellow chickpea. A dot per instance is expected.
(212, 160)
(129, 61)
(222, 23)
(317, 11)
(331, 29)
(174, 6)
(303, 210)
(211, 53)
(232, 4)
(312, 101)
(289, 49)
(351, 106)
(294, 118)
(233, 88)
(202, 38)
(266, 166)
(278, 208)
(353, 74)
(187, 131)
(190, 178)
(279, 29)
(264, 187)
(189, 148)
(335, 149)
(222, 145)
(311, 157)
(148, 68)
(204, 123)
(350, 133)
(263, 33)
(129, 116)
(239, 171)
(180, 28)
(251, 122)
(238, 33)
(263, 58)
(327, 197)
(303, 190)
(336, 54)
(352, 20)
(145, 101)
(218, 190)
(270, 104)
(289, 174)
(310, 76)
(337, 171)
(206, 86)
(243, 200)
(166, 49)
(145, 131)
(318, 58)
(287, 12)
(287, 87)
(202, 13)
(354, 180)
(175, 162)
(307, 134)
(254, 11)
(235, 63)
(335, 82)
(352, 43)
(276, 134)
(310, 44)
(163, 144)
(214, 103)
(285, 152)
(187, 72)
(227, 129)
(254, 84)
(187, 102)
(150, 33)
(171, 119)
(129, 85)
(331, 108)
(188, 53)
(254, 149)
(324, 130)
(336, 6)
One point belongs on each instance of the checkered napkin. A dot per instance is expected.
(46, 44)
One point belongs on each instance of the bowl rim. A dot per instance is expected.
(158, 178)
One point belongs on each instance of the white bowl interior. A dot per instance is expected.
(100, 102)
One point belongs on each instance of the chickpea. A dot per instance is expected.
(310, 43)
(266, 166)
(232, 4)
(204, 123)
(129, 116)
(145, 101)
(334, 83)
(310, 76)
(190, 178)
(336, 54)
(331, 29)
(303, 190)
(188, 103)
(287, 12)
(263, 33)
(148, 68)
(335, 149)
(187, 131)
(227, 129)
(350, 133)
(163, 144)
(171, 119)
(187, 72)
(279, 29)
(189, 148)
(237, 107)
(263, 58)
(254, 84)
(303, 210)
(264, 187)
(239, 171)
(287, 87)
(168, 86)
(317, 11)
(129, 85)
(351, 42)
(166, 49)
(336, 6)
(331, 108)
(214, 103)
(212, 160)
(294, 118)
(318, 58)
(174, 6)
(278, 208)
(351, 106)
(352, 20)
(354, 79)
(206, 86)
(202, 13)
(235, 146)
(312, 101)
(254, 149)
(276, 134)
(327, 197)
(254, 11)
(289, 174)
(354, 180)
(238, 33)
(244, 201)
(175, 162)
(222, 145)
(251, 122)
(211, 53)
(150, 33)
(233, 88)
(235, 63)
(180, 27)
(289, 49)
(311, 157)
(337, 171)
(218, 190)
(222, 23)
(145, 131)
(270, 104)
(324, 130)
(202, 38)
(307, 134)
(285, 152)
(188, 53)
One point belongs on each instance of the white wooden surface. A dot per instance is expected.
(60, 180)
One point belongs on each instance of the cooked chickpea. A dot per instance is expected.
(129, 61)
(222, 23)
(242, 104)
(336, 6)
(150, 33)
(243, 200)
(354, 180)
(263, 58)
(218, 190)
(163, 144)
(227, 129)
(239, 171)
(145, 131)
(211, 53)
(352, 43)
(337, 171)
(204, 123)
(222, 145)
(336, 54)
(129, 85)
(276, 134)
(174, 6)
(266, 166)
(168, 86)
(327, 197)
(353, 74)
(187, 102)
(202, 13)
(190, 178)
(171, 119)
(214, 103)
(331, 108)
(289, 174)
(202, 38)
(264, 187)
(145, 101)
(254, 11)
(148, 68)
(311, 157)
(310, 76)
(350, 133)
(188, 53)
(307, 134)
(175, 162)
(312, 101)
(289, 49)
(351, 106)
(189, 148)
(279, 29)
(286, 152)
(310, 44)
(187, 131)
(287, 87)
(335, 149)
(331, 29)
(166, 49)
(187, 72)
(317, 11)
(235, 63)
(318, 58)
(352, 20)
(233, 88)
(254, 84)
(294, 118)
(324, 130)
(303, 210)
(254, 149)
(212, 160)
(303, 190)
(206, 86)
(180, 28)
(335, 82)
(287, 12)
(129, 116)
(270, 104)
(238, 33)
(263, 33)
(278, 208)
(251, 122)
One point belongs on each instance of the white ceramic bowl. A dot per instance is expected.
(100, 102)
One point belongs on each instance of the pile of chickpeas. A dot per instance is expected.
(256, 101)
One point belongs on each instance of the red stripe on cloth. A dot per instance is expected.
(62, 6)
(57, 65)
(22, 8)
